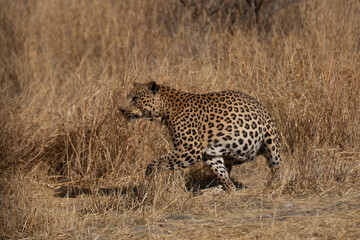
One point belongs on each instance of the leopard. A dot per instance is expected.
(221, 129)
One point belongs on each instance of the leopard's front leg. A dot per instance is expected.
(187, 144)
(175, 160)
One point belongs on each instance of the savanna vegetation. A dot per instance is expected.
(73, 168)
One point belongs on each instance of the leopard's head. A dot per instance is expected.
(143, 101)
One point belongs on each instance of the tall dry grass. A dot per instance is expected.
(66, 65)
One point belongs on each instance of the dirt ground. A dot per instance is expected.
(96, 211)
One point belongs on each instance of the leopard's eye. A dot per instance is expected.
(134, 99)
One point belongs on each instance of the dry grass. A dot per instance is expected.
(72, 168)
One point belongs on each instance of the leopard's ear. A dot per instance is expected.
(153, 87)
(136, 84)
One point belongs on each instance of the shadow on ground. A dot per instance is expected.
(72, 191)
